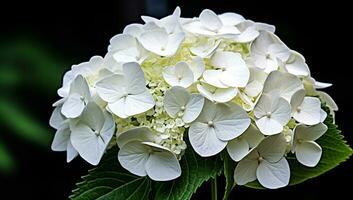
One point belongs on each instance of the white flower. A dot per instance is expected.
(282, 84)
(241, 146)
(295, 64)
(158, 41)
(88, 70)
(178, 75)
(215, 126)
(307, 151)
(61, 141)
(197, 67)
(328, 100)
(231, 71)
(271, 114)
(266, 164)
(178, 100)
(206, 47)
(266, 50)
(306, 110)
(79, 95)
(92, 133)
(256, 82)
(125, 48)
(210, 24)
(146, 158)
(126, 94)
(170, 23)
(220, 95)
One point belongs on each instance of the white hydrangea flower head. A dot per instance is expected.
(306, 150)
(266, 163)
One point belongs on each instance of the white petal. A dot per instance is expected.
(61, 138)
(193, 108)
(231, 19)
(273, 175)
(213, 77)
(245, 170)
(310, 111)
(230, 121)
(139, 103)
(323, 115)
(90, 146)
(178, 75)
(265, 27)
(197, 67)
(121, 42)
(284, 83)
(263, 41)
(281, 111)
(133, 156)
(73, 106)
(228, 31)
(220, 95)
(118, 108)
(309, 133)
(154, 40)
(71, 152)
(80, 86)
(253, 136)
(111, 88)
(233, 63)
(296, 65)
(308, 153)
(297, 99)
(93, 116)
(321, 85)
(272, 148)
(279, 51)
(268, 126)
(173, 44)
(142, 134)
(163, 166)
(246, 36)
(210, 20)
(238, 149)
(56, 119)
(175, 99)
(134, 78)
(328, 100)
(134, 30)
(204, 141)
(205, 49)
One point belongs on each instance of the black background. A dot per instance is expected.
(78, 30)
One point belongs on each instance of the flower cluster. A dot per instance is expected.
(216, 82)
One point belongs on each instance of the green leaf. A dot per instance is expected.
(335, 150)
(228, 171)
(23, 124)
(110, 181)
(195, 171)
(7, 163)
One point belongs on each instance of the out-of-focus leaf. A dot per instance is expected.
(6, 161)
(9, 77)
(22, 124)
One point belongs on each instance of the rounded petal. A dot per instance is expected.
(328, 100)
(56, 119)
(220, 95)
(246, 36)
(245, 170)
(93, 116)
(253, 136)
(154, 40)
(139, 103)
(71, 152)
(231, 19)
(296, 65)
(308, 153)
(134, 30)
(197, 67)
(80, 86)
(230, 121)
(175, 99)
(309, 133)
(193, 108)
(213, 77)
(272, 148)
(178, 75)
(297, 99)
(61, 139)
(204, 141)
(142, 134)
(273, 175)
(205, 49)
(134, 77)
(111, 88)
(238, 149)
(73, 106)
(268, 126)
(310, 111)
(133, 156)
(210, 20)
(163, 166)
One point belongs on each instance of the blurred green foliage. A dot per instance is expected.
(25, 65)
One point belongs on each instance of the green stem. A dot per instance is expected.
(214, 189)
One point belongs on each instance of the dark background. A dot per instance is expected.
(40, 41)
